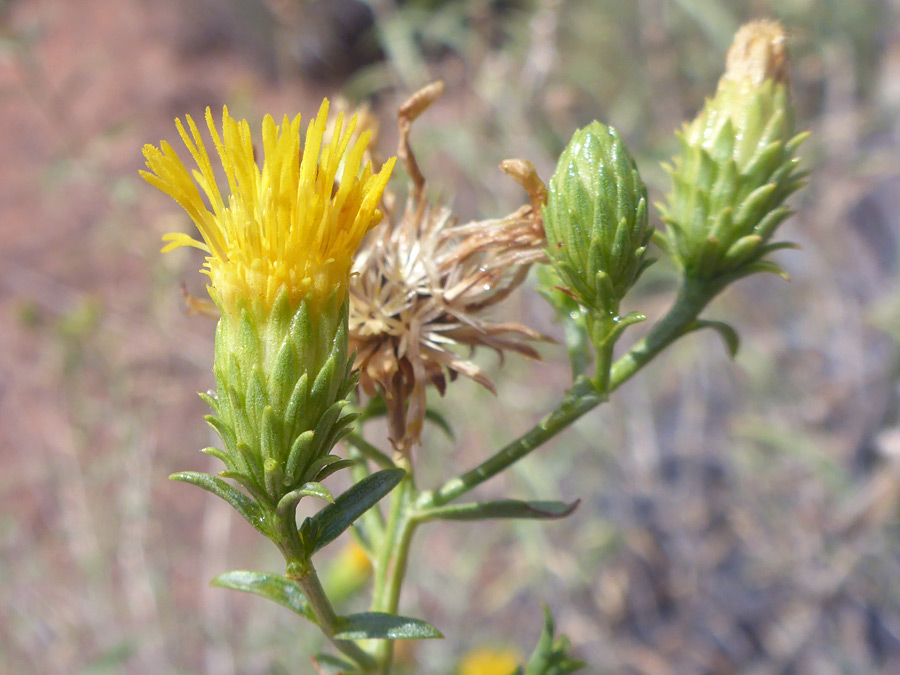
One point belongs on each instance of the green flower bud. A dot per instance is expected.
(282, 382)
(596, 219)
(737, 164)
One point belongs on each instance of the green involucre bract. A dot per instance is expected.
(282, 386)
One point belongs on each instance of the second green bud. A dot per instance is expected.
(598, 230)
(596, 218)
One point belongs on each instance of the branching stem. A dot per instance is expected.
(327, 619)
(583, 397)
(392, 551)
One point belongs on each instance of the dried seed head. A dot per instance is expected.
(423, 283)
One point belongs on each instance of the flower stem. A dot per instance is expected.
(325, 615)
(386, 550)
(581, 398)
(604, 341)
(692, 299)
(693, 296)
(390, 601)
(390, 566)
(369, 451)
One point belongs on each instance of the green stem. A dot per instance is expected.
(604, 340)
(386, 550)
(580, 400)
(370, 529)
(327, 619)
(692, 298)
(390, 567)
(394, 583)
(369, 451)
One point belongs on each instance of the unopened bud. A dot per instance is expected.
(737, 164)
(596, 219)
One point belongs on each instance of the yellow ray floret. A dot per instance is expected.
(294, 224)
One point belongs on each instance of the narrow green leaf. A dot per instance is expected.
(779, 246)
(257, 493)
(330, 522)
(255, 401)
(381, 626)
(221, 455)
(281, 379)
(287, 505)
(226, 433)
(742, 249)
(297, 404)
(252, 461)
(324, 427)
(248, 337)
(333, 468)
(728, 334)
(251, 511)
(765, 228)
(624, 322)
(272, 586)
(314, 489)
(211, 401)
(322, 385)
(756, 205)
(766, 266)
(504, 508)
(269, 435)
(440, 422)
(338, 431)
(323, 462)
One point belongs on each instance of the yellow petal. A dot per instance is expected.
(287, 222)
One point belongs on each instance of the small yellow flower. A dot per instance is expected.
(293, 224)
(489, 661)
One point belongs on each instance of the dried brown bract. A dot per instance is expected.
(423, 284)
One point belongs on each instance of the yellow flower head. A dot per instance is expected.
(293, 224)
(489, 661)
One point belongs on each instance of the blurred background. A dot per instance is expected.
(736, 516)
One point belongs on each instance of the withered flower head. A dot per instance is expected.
(758, 53)
(423, 283)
